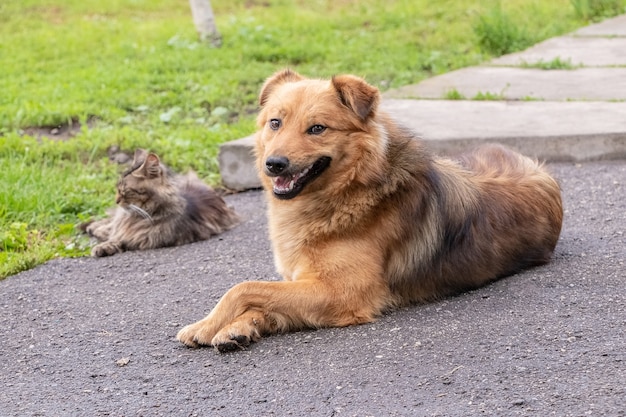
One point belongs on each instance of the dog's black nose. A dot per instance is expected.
(276, 164)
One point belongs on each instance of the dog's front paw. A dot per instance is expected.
(196, 334)
(227, 342)
(238, 334)
(230, 343)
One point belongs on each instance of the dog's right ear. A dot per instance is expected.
(281, 77)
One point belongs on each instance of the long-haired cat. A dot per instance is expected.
(157, 208)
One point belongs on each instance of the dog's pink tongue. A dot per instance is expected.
(282, 184)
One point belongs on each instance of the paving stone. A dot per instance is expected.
(555, 131)
(610, 27)
(522, 83)
(587, 51)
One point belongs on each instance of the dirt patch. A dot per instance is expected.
(62, 131)
(119, 156)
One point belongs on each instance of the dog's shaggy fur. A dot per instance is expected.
(364, 219)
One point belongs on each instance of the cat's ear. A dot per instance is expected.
(140, 156)
(151, 167)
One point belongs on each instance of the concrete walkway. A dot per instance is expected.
(576, 113)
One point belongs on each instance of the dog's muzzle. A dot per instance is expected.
(289, 180)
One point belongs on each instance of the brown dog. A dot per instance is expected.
(363, 218)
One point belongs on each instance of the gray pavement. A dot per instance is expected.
(96, 336)
(576, 114)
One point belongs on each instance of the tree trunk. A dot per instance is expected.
(204, 20)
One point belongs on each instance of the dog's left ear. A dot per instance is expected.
(357, 94)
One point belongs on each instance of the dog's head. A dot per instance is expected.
(315, 134)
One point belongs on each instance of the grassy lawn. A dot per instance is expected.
(134, 70)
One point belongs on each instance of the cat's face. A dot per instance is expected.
(134, 190)
(143, 185)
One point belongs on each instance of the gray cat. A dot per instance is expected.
(157, 208)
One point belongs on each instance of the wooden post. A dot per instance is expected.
(204, 20)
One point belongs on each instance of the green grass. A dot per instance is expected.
(594, 10)
(453, 94)
(500, 33)
(489, 96)
(555, 64)
(135, 67)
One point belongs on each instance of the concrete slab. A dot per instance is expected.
(236, 161)
(554, 131)
(590, 52)
(522, 83)
(610, 27)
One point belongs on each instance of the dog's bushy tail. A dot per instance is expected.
(496, 160)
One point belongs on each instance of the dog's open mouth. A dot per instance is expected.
(289, 185)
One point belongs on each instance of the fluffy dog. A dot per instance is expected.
(363, 219)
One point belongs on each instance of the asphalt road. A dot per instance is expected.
(95, 337)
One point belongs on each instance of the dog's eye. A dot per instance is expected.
(275, 124)
(316, 129)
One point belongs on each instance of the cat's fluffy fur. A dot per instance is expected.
(157, 208)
